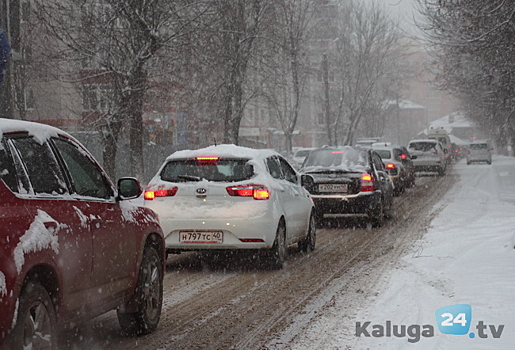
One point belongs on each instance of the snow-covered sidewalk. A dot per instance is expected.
(466, 257)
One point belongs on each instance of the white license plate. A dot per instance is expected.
(201, 237)
(340, 188)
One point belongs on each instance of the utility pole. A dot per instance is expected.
(327, 104)
(10, 22)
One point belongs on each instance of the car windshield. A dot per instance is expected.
(422, 146)
(346, 159)
(478, 146)
(221, 170)
(384, 153)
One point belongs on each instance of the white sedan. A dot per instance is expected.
(230, 197)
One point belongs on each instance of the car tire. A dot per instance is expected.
(377, 216)
(308, 243)
(389, 212)
(147, 297)
(279, 251)
(35, 326)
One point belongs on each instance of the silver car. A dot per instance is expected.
(430, 155)
(479, 151)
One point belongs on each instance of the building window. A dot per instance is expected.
(96, 97)
(29, 99)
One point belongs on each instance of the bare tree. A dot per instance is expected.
(473, 46)
(112, 43)
(366, 53)
(285, 85)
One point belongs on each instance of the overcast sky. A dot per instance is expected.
(403, 10)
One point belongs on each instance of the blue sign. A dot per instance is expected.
(454, 319)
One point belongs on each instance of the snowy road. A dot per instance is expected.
(214, 302)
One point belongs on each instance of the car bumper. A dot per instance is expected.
(361, 204)
(237, 233)
(479, 158)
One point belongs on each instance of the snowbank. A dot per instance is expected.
(466, 257)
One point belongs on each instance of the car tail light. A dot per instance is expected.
(367, 183)
(391, 168)
(403, 156)
(150, 195)
(259, 192)
(252, 240)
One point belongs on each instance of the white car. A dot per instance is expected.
(430, 155)
(479, 151)
(230, 197)
(299, 156)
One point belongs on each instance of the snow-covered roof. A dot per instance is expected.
(41, 132)
(404, 104)
(453, 120)
(224, 150)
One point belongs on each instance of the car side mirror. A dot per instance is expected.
(307, 181)
(129, 188)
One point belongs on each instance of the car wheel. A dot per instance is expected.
(147, 298)
(389, 212)
(36, 321)
(308, 244)
(279, 249)
(377, 217)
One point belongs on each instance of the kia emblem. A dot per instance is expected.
(201, 191)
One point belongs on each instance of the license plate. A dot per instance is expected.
(339, 188)
(201, 237)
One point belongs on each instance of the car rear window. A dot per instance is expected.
(384, 153)
(478, 146)
(221, 170)
(346, 159)
(302, 153)
(422, 146)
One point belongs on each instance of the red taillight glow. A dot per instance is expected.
(207, 159)
(150, 195)
(252, 240)
(390, 166)
(258, 192)
(403, 156)
(367, 183)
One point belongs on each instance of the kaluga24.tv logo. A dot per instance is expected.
(452, 319)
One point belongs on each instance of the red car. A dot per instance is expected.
(72, 246)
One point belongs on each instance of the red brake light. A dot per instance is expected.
(259, 192)
(367, 183)
(403, 156)
(336, 152)
(207, 159)
(150, 195)
(390, 166)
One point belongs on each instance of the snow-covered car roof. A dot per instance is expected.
(225, 150)
(40, 132)
(425, 140)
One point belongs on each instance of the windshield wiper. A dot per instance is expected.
(189, 177)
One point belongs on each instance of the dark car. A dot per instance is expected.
(72, 246)
(347, 181)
